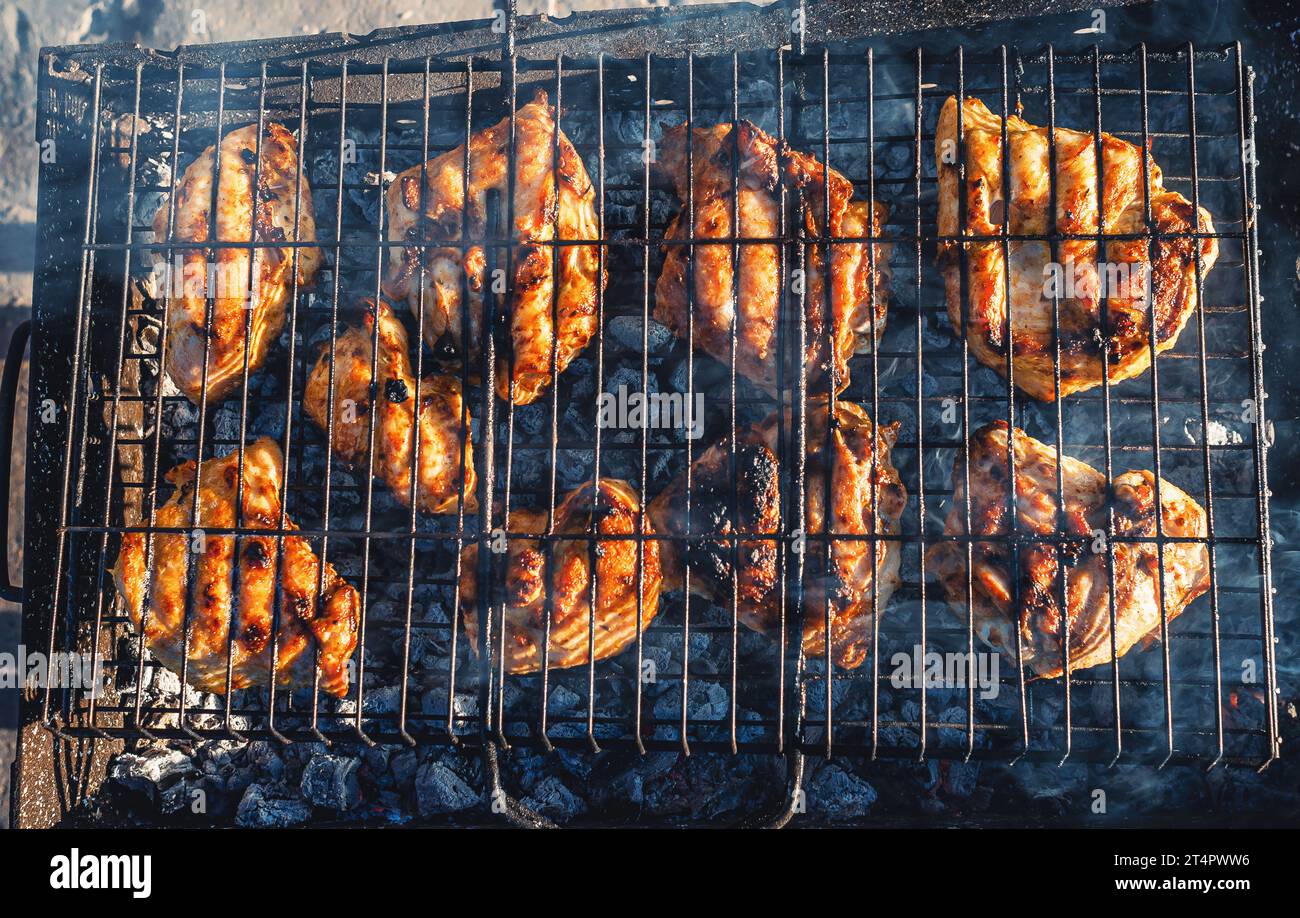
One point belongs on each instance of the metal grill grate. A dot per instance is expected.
(717, 687)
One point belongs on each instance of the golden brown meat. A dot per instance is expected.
(445, 448)
(448, 272)
(1130, 277)
(859, 454)
(305, 626)
(858, 299)
(225, 274)
(616, 510)
(1006, 601)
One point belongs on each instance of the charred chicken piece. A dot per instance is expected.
(1133, 283)
(450, 284)
(858, 297)
(858, 461)
(1006, 600)
(445, 448)
(615, 511)
(227, 594)
(240, 288)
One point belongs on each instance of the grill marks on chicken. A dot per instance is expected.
(227, 275)
(614, 510)
(1139, 284)
(211, 578)
(858, 297)
(453, 282)
(857, 462)
(1027, 600)
(445, 447)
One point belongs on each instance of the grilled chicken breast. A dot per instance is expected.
(224, 597)
(857, 462)
(450, 283)
(1006, 601)
(243, 324)
(858, 297)
(1136, 283)
(445, 447)
(614, 511)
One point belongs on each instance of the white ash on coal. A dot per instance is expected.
(269, 807)
(330, 781)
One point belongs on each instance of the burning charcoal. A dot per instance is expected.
(960, 779)
(630, 785)
(268, 422)
(532, 419)
(185, 793)
(152, 773)
(564, 703)
(265, 807)
(216, 754)
(383, 700)
(330, 781)
(952, 736)
(705, 701)
(435, 702)
(581, 376)
(627, 331)
(835, 795)
(528, 768)
(265, 759)
(753, 733)
(374, 762)
(629, 379)
(439, 790)
(387, 807)
(554, 800)
(573, 467)
(166, 684)
(402, 767)
(579, 764)
(896, 160)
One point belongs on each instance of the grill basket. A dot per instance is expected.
(104, 433)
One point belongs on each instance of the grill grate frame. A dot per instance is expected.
(83, 613)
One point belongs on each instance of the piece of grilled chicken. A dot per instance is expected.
(858, 298)
(1006, 601)
(203, 568)
(615, 511)
(1130, 276)
(449, 277)
(857, 463)
(248, 296)
(445, 448)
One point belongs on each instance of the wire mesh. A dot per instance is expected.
(696, 679)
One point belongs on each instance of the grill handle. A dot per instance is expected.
(8, 399)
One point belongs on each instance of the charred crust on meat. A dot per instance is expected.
(254, 637)
(256, 557)
(395, 391)
(300, 605)
(523, 576)
(755, 487)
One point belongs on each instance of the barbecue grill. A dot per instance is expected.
(103, 429)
